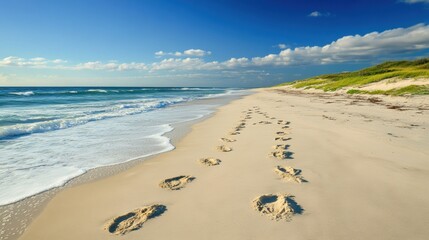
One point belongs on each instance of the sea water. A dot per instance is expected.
(51, 135)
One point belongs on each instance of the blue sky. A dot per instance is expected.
(201, 43)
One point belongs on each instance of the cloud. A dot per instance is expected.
(59, 61)
(37, 62)
(186, 53)
(415, 1)
(110, 66)
(281, 45)
(371, 46)
(22, 62)
(353, 48)
(196, 52)
(319, 14)
(184, 64)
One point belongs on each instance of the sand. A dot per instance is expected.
(367, 167)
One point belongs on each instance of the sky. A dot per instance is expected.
(222, 43)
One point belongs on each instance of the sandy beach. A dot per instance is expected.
(272, 165)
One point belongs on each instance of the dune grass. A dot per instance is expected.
(408, 90)
(393, 69)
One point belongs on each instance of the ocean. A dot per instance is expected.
(49, 135)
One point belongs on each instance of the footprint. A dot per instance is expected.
(277, 206)
(282, 139)
(264, 122)
(224, 148)
(240, 126)
(228, 139)
(234, 133)
(176, 183)
(281, 147)
(134, 220)
(280, 133)
(210, 161)
(281, 154)
(278, 154)
(289, 174)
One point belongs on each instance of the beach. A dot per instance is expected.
(292, 165)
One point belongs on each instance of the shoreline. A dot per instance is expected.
(30, 207)
(365, 173)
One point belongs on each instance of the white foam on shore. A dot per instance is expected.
(39, 162)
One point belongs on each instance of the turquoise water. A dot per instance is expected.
(50, 135)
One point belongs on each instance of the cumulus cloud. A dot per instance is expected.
(415, 1)
(196, 52)
(186, 53)
(352, 48)
(319, 14)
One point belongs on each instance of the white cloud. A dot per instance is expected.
(59, 61)
(415, 1)
(196, 52)
(184, 64)
(110, 66)
(37, 62)
(281, 45)
(352, 48)
(186, 53)
(22, 62)
(319, 14)
(38, 59)
(236, 62)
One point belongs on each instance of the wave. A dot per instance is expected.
(120, 110)
(75, 92)
(195, 89)
(27, 93)
(97, 90)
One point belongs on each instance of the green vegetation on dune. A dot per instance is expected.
(412, 89)
(394, 69)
